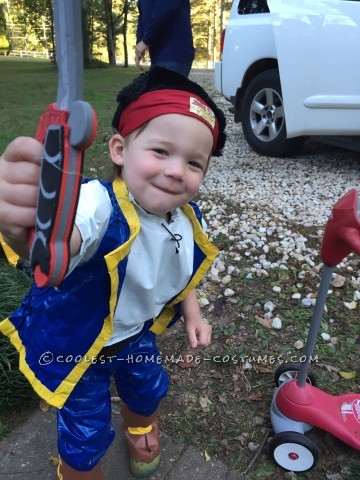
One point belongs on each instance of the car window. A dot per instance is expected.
(252, 6)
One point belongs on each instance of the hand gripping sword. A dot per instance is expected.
(66, 129)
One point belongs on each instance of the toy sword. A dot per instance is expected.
(66, 129)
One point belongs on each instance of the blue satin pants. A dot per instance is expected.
(85, 431)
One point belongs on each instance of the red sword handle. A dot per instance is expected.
(65, 135)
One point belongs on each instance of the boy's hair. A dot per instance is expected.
(159, 78)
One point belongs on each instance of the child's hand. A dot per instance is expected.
(19, 183)
(198, 330)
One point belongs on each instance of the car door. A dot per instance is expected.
(318, 50)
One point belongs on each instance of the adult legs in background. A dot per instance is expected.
(180, 67)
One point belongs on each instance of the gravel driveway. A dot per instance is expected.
(267, 217)
(277, 196)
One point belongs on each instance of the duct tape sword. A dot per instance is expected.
(66, 129)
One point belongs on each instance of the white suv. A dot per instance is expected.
(291, 68)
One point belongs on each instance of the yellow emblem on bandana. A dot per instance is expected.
(202, 111)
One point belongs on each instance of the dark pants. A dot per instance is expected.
(180, 67)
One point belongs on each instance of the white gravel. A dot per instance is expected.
(275, 199)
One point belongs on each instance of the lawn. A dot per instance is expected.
(27, 87)
(221, 404)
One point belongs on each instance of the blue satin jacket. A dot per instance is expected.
(58, 331)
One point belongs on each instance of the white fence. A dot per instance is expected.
(28, 53)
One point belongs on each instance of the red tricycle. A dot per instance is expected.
(298, 405)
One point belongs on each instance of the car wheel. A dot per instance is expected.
(290, 371)
(263, 117)
(294, 451)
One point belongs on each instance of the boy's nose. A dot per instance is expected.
(175, 169)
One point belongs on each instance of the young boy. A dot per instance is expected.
(138, 251)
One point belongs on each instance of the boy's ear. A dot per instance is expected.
(116, 148)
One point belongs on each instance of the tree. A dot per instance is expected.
(130, 8)
(110, 31)
(208, 20)
(30, 24)
(86, 25)
(107, 26)
(115, 12)
(3, 29)
(4, 33)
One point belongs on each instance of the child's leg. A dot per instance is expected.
(84, 426)
(141, 383)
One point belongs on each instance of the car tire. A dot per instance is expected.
(290, 371)
(293, 451)
(263, 117)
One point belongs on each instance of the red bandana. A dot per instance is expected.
(161, 102)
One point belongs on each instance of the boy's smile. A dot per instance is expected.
(164, 165)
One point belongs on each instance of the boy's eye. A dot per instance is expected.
(197, 165)
(160, 151)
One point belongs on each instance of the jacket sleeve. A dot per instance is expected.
(163, 10)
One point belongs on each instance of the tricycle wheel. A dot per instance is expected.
(294, 451)
(290, 371)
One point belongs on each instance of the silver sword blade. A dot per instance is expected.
(69, 51)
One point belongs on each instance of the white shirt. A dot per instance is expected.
(155, 272)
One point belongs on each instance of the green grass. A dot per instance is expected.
(16, 394)
(28, 86)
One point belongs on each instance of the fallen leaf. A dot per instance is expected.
(187, 359)
(262, 369)
(44, 406)
(222, 399)
(207, 456)
(338, 281)
(205, 402)
(350, 305)
(211, 288)
(329, 368)
(265, 322)
(266, 470)
(253, 397)
(347, 375)
(238, 384)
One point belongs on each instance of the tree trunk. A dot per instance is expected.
(85, 35)
(110, 34)
(52, 32)
(10, 34)
(126, 11)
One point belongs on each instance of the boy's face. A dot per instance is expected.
(163, 167)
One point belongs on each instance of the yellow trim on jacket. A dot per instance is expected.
(162, 321)
(58, 397)
(11, 256)
(112, 259)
